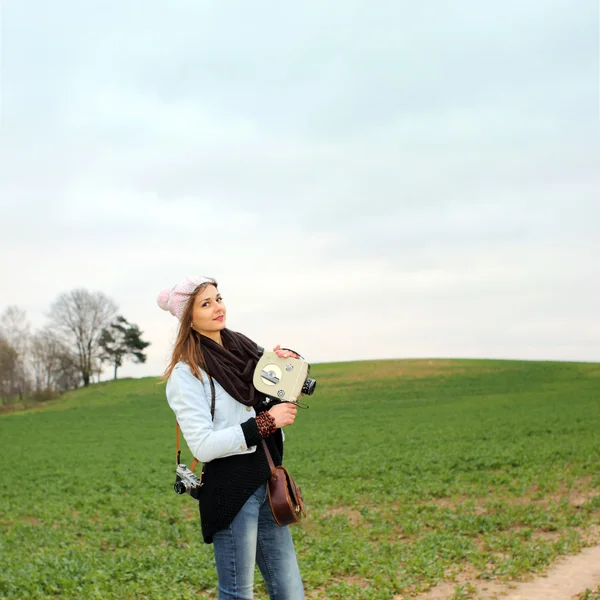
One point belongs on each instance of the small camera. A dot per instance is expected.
(186, 482)
(283, 378)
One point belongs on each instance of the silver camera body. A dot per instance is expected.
(283, 378)
(186, 482)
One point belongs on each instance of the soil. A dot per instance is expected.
(565, 580)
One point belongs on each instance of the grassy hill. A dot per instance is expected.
(413, 471)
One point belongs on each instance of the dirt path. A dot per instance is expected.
(565, 579)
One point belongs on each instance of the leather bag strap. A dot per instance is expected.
(213, 396)
(271, 463)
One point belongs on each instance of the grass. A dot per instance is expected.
(413, 471)
(589, 594)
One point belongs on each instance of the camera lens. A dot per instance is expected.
(179, 487)
(309, 386)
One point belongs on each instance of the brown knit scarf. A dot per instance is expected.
(232, 365)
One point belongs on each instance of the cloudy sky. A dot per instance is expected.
(376, 179)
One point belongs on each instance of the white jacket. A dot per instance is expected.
(190, 400)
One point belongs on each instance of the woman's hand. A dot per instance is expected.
(284, 353)
(283, 414)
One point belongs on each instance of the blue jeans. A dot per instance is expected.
(255, 538)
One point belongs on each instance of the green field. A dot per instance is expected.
(413, 471)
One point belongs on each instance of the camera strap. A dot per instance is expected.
(195, 462)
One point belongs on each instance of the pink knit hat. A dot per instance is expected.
(174, 299)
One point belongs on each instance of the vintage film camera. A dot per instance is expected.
(186, 482)
(283, 378)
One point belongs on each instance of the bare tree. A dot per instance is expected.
(42, 358)
(68, 375)
(78, 317)
(16, 330)
(8, 370)
(52, 364)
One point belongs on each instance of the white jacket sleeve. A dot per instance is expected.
(190, 401)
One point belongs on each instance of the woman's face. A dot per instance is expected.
(209, 311)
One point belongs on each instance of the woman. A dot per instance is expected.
(234, 507)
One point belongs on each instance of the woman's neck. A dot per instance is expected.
(215, 336)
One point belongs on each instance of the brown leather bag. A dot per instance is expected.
(285, 497)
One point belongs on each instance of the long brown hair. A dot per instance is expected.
(187, 347)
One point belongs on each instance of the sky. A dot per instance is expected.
(364, 180)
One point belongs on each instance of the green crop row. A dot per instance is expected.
(413, 471)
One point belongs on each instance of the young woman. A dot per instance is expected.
(234, 507)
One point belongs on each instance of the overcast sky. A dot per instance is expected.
(378, 179)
